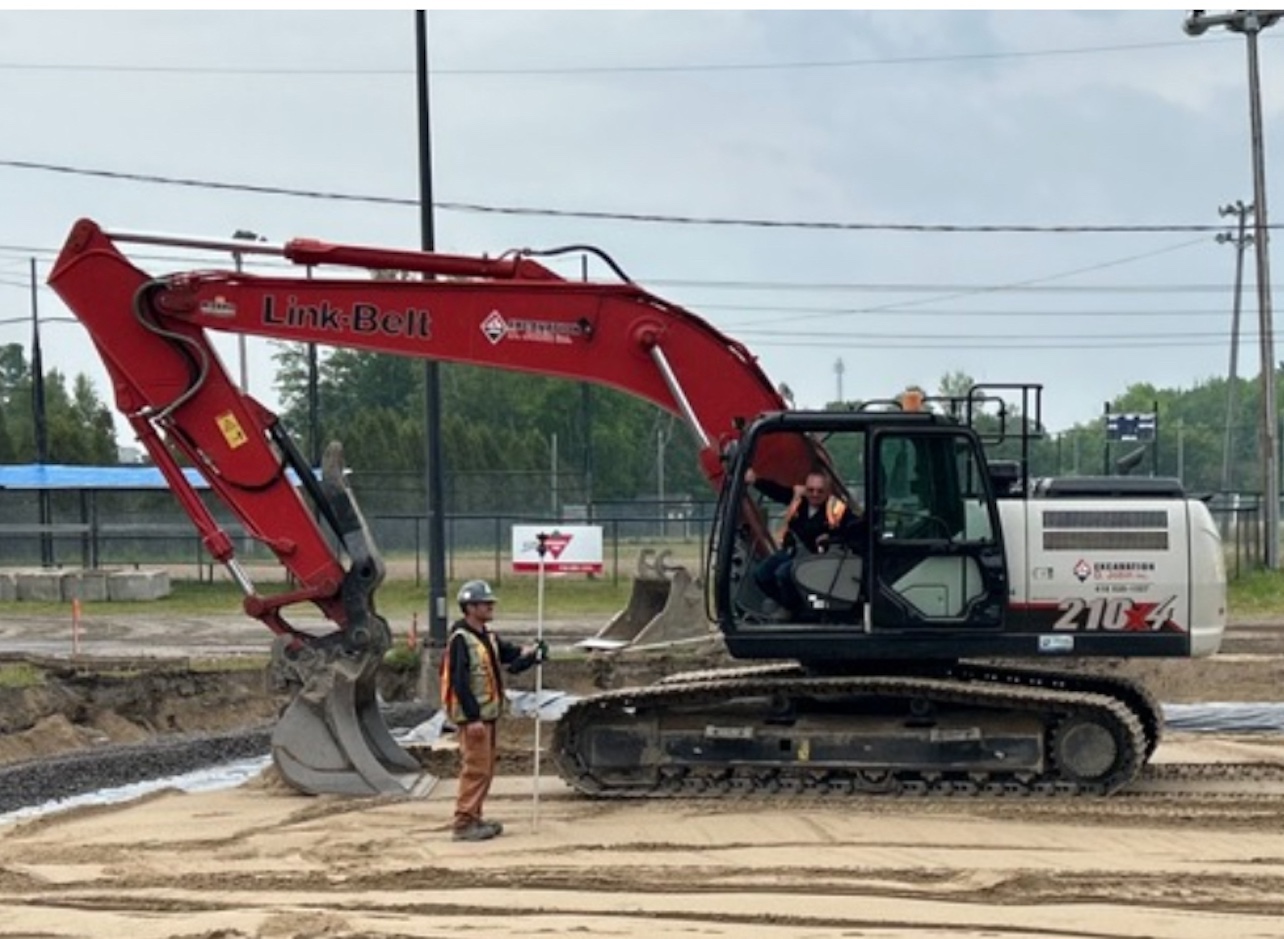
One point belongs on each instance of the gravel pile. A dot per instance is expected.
(107, 767)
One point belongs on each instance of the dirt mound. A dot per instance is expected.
(51, 734)
(62, 708)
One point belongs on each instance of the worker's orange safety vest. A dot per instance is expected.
(483, 681)
(835, 508)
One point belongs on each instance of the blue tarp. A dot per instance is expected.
(56, 476)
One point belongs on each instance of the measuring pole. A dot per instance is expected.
(542, 549)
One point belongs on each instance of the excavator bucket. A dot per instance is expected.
(665, 608)
(332, 738)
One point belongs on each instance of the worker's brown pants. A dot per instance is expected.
(477, 751)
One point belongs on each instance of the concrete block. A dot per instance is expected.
(45, 586)
(84, 585)
(138, 585)
(8, 587)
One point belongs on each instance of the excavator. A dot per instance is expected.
(933, 652)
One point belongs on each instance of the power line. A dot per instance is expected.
(1074, 272)
(988, 344)
(23, 252)
(805, 65)
(852, 311)
(596, 215)
(1049, 338)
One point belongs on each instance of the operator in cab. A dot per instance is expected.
(815, 519)
(472, 690)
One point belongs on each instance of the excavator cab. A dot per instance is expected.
(921, 557)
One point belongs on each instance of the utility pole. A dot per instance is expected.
(432, 373)
(1251, 23)
(663, 431)
(838, 371)
(40, 424)
(1241, 239)
(242, 234)
(314, 400)
(586, 413)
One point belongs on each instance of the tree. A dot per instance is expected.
(80, 428)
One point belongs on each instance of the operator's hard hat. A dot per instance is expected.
(476, 591)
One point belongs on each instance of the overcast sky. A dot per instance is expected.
(948, 118)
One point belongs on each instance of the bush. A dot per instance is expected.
(402, 658)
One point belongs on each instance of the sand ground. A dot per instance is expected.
(259, 862)
(1200, 860)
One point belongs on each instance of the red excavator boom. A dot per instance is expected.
(509, 312)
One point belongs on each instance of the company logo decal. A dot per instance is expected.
(554, 332)
(494, 327)
(219, 306)
(360, 319)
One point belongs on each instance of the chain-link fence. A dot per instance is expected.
(112, 528)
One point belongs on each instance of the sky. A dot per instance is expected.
(867, 121)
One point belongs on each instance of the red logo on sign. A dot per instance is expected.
(556, 544)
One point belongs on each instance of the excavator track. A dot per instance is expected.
(1132, 693)
(776, 731)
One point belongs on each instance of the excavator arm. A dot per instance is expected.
(511, 312)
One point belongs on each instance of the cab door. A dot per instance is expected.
(936, 547)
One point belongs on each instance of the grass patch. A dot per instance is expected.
(20, 675)
(564, 597)
(1257, 593)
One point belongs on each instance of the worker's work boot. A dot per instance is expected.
(498, 827)
(476, 831)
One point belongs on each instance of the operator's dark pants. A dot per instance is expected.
(775, 579)
(477, 758)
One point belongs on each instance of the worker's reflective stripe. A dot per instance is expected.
(481, 679)
(834, 510)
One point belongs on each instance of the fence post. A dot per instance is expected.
(615, 552)
(499, 550)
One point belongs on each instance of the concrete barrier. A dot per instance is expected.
(62, 585)
(39, 586)
(85, 585)
(138, 585)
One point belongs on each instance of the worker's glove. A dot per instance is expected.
(540, 653)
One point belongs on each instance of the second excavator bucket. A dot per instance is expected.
(665, 608)
(332, 737)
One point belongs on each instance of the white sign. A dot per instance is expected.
(569, 549)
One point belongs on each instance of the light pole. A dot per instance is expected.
(242, 234)
(1250, 23)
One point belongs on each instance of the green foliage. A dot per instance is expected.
(492, 421)
(20, 675)
(402, 658)
(1257, 594)
(79, 426)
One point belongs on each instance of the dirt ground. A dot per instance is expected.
(1201, 860)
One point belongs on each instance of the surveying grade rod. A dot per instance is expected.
(542, 549)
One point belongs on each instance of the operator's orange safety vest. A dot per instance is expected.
(483, 681)
(835, 508)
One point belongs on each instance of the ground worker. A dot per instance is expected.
(472, 691)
